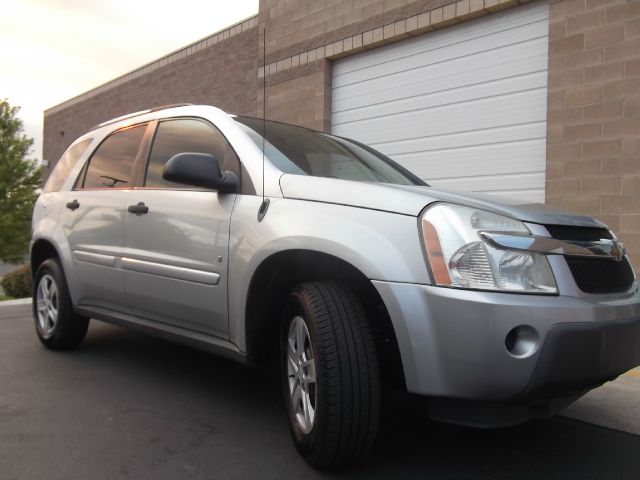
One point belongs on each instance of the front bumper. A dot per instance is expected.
(452, 342)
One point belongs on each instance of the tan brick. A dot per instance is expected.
(611, 166)
(630, 166)
(412, 24)
(555, 134)
(562, 187)
(568, 116)
(367, 37)
(621, 128)
(632, 28)
(557, 30)
(601, 185)
(582, 168)
(593, 4)
(604, 111)
(462, 8)
(568, 8)
(554, 171)
(619, 13)
(611, 221)
(388, 31)
(563, 46)
(601, 149)
(449, 13)
(622, 88)
(631, 146)
(581, 133)
(554, 201)
(604, 74)
(555, 100)
(556, 65)
(582, 96)
(603, 37)
(378, 34)
(631, 185)
(627, 50)
(436, 16)
(632, 107)
(590, 58)
(587, 21)
(476, 6)
(563, 153)
(588, 204)
(630, 223)
(620, 203)
(562, 80)
(632, 68)
(424, 20)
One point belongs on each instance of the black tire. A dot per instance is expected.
(347, 388)
(69, 328)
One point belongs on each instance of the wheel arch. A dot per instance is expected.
(41, 250)
(275, 278)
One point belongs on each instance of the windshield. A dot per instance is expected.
(301, 151)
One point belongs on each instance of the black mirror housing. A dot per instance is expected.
(199, 170)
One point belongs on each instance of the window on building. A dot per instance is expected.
(65, 165)
(186, 135)
(112, 163)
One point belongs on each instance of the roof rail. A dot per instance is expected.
(141, 112)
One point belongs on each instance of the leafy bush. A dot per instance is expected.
(17, 284)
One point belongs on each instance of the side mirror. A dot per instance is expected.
(199, 170)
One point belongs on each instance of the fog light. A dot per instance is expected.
(522, 341)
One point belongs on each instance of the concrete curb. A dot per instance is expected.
(19, 301)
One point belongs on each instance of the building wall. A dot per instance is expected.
(593, 138)
(221, 72)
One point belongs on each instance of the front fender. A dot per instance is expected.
(383, 246)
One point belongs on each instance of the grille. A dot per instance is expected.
(594, 275)
(601, 276)
(584, 234)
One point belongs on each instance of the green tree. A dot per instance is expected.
(19, 179)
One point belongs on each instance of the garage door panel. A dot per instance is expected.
(499, 160)
(492, 45)
(472, 31)
(441, 78)
(464, 106)
(494, 183)
(477, 138)
(398, 103)
(460, 117)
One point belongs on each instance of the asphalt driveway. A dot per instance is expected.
(129, 406)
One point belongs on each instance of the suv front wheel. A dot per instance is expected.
(330, 375)
(57, 325)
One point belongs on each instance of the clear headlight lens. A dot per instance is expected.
(459, 258)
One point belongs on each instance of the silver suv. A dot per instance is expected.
(263, 241)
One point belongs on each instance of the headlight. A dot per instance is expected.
(458, 257)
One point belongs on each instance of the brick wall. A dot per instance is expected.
(593, 137)
(222, 74)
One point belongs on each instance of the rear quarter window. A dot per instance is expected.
(65, 165)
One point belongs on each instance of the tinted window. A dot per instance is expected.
(181, 136)
(302, 151)
(111, 164)
(65, 165)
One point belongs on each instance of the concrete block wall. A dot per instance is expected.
(593, 124)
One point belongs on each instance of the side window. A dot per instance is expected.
(65, 165)
(186, 135)
(111, 164)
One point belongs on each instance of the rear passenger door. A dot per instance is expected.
(94, 219)
(177, 237)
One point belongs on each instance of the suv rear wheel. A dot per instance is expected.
(330, 374)
(57, 325)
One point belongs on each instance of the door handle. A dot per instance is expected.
(73, 205)
(138, 209)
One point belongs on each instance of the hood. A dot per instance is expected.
(411, 200)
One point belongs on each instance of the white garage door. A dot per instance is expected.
(464, 107)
